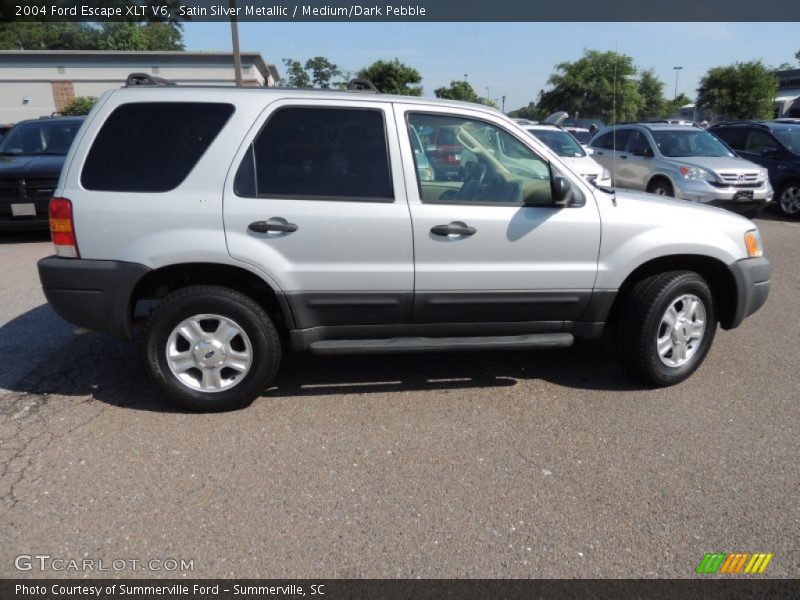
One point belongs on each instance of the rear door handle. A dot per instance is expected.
(598, 152)
(452, 229)
(623, 156)
(272, 226)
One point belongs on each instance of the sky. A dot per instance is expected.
(511, 59)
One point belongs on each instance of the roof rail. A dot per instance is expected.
(136, 79)
(362, 85)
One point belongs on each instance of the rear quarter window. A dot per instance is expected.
(152, 146)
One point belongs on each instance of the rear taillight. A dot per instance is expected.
(62, 228)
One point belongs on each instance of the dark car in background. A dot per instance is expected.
(4, 128)
(775, 145)
(31, 156)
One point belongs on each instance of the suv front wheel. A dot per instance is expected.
(666, 326)
(211, 348)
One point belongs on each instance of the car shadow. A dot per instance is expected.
(25, 237)
(111, 371)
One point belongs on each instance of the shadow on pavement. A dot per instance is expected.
(111, 370)
(25, 237)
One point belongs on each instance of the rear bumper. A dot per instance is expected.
(753, 280)
(95, 294)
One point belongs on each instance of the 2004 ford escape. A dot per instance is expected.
(255, 220)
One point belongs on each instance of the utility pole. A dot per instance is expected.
(677, 71)
(237, 57)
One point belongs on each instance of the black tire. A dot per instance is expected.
(640, 320)
(790, 187)
(204, 300)
(661, 187)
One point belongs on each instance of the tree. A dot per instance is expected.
(589, 86)
(530, 112)
(671, 106)
(79, 106)
(457, 90)
(797, 56)
(651, 90)
(738, 91)
(322, 71)
(296, 76)
(151, 35)
(393, 77)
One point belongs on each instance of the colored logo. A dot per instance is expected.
(734, 563)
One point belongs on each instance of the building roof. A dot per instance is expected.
(121, 56)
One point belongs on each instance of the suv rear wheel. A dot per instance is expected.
(211, 348)
(666, 326)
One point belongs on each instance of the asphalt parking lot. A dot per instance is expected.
(525, 464)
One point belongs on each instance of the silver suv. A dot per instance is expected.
(682, 161)
(239, 224)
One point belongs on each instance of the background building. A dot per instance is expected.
(787, 102)
(40, 82)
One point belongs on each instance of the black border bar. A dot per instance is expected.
(712, 588)
(403, 10)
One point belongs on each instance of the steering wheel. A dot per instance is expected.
(474, 172)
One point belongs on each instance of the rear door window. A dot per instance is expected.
(760, 141)
(152, 146)
(319, 154)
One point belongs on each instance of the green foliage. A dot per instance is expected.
(797, 56)
(651, 90)
(296, 75)
(322, 71)
(738, 91)
(457, 90)
(530, 112)
(671, 106)
(79, 106)
(586, 88)
(461, 90)
(393, 77)
(88, 36)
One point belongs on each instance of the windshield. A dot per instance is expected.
(560, 142)
(37, 138)
(790, 137)
(682, 143)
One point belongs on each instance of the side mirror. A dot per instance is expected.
(643, 152)
(561, 191)
(589, 150)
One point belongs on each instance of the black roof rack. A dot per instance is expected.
(362, 85)
(136, 79)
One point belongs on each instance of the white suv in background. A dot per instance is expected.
(242, 223)
(571, 152)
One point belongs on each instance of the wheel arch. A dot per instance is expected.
(162, 281)
(715, 272)
(660, 177)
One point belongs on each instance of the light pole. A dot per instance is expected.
(504, 104)
(677, 72)
(465, 77)
(487, 92)
(237, 57)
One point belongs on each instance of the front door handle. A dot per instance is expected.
(623, 156)
(599, 152)
(452, 229)
(272, 226)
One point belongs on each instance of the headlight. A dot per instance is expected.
(762, 175)
(697, 174)
(752, 241)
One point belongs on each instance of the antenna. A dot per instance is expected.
(614, 128)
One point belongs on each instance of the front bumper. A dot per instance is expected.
(95, 294)
(753, 280)
(39, 222)
(727, 196)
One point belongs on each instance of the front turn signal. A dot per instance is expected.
(752, 240)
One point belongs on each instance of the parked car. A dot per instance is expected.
(581, 134)
(775, 145)
(244, 223)
(31, 156)
(445, 152)
(571, 152)
(683, 162)
(4, 128)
